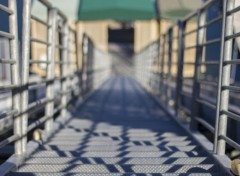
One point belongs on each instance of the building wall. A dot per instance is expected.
(145, 33)
(97, 31)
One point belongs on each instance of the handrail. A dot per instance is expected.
(171, 84)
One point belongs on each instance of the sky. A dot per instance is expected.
(69, 8)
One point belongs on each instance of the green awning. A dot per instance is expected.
(120, 10)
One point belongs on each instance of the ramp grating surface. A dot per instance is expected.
(120, 131)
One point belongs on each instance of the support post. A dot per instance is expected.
(14, 54)
(64, 69)
(197, 68)
(78, 69)
(25, 69)
(162, 68)
(49, 109)
(224, 79)
(181, 46)
(169, 67)
(84, 64)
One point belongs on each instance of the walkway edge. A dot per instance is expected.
(12, 163)
(223, 161)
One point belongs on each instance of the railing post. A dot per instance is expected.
(49, 109)
(150, 69)
(169, 68)
(181, 46)
(162, 68)
(159, 66)
(224, 79)
(64, 69)
(78, 72)
(197, 68)
(25, 69)
(84, 64)
(14, 53)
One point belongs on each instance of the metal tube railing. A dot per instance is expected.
(60, 75)
(15, 72)
(190, 91)
(224, 80)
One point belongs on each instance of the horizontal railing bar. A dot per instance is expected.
(60, 47)
(230, 142)
(188, 63)
(38, 62)
(206, 103)
(42, 120)
(6, 9)
(205, 124)
(8, 113)
(230, 12)
(190, 16)
(210, 42)
(8, 87)
(211, 22)
(61, 62)
(7, 61)
(184, 78)
(190, 47)
(232, 115)
(38, 103)
(46, 3)
(235, 61)
(235, 35)
(64, 92)
(37, 123)
(232, 88)
(36, 86)
(38, 82)
(191, 32)
(209, 63)
(7, 35)
(39, 20)
(185, 94)
(211, 83)
(40, 41)
(9, 140)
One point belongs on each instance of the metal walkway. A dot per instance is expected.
(120, 130)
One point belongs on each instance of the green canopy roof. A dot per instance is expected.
(121, 10)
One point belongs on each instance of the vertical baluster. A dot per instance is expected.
(78, 69)
(25, 68)
(14, 54)
(162, 67)
(181, 46)
(69, 65)
(84, 64)
(49, 109)
(64, 69)
(169, 67)
(197, 67)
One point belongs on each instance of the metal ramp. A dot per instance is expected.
(120, 130)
